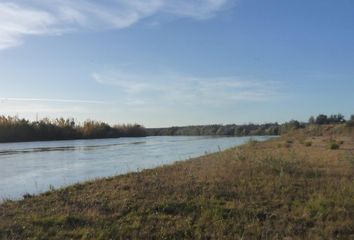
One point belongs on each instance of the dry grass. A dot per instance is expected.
(280, 189)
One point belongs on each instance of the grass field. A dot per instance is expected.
(297, 186)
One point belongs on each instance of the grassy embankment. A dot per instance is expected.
(293, 187)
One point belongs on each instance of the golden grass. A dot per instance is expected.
(279, 189)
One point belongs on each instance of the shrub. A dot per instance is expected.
(334, 145)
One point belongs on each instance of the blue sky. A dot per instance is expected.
(164, 62)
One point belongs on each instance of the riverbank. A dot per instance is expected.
(297, 186)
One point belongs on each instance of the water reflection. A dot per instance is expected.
(66, 148)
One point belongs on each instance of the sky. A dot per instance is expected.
(176, 62)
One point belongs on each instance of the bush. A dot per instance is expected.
(334, 145)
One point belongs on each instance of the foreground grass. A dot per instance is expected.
(294, 187)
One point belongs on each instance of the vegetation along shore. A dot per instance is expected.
(297, 186)
(15, 129)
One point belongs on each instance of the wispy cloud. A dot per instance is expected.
(43, 17)
(172, 88)
(53, 108)
(17, 21)
(197, 9)
(52, 100)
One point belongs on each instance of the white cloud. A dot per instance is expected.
(43, 17)
(16, 21)
(129, 83)
(172, 88)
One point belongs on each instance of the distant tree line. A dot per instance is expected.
(218, 130)
(248, 129)
(14, 129)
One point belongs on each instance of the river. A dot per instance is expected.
(35, 167)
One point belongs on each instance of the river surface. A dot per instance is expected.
(34, 167)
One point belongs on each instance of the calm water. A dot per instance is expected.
(33, 167)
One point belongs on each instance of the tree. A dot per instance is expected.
(312, 120)
(321, 119)
(339, 118)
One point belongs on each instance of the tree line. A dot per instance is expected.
(249, 129)
(332, 119)
(14, 129)
(217, 130)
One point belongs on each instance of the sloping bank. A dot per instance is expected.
(295, 186)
